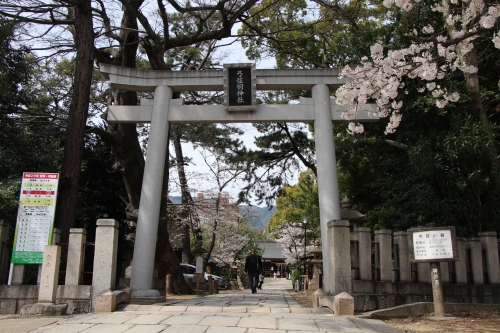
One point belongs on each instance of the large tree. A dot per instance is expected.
(77, 16)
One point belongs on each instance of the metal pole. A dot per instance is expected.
(305, 240)
(305, 243)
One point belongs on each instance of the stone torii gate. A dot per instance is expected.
(320, 110)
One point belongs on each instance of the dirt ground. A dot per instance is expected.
(466, 322)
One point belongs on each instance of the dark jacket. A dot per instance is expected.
(253, 264)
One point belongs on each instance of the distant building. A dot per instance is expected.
(273, 258)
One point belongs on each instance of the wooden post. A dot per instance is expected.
(168, 284)
(210, 285)
(437, 289)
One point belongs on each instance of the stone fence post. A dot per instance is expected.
(76, 247)
(461, 264)
(339, 256)
(474, 245)
(364, 238)
(384, 240)
(424, 272)
(106, 248)
(489, 243)
(4, 258)
(444, 267)
(403, 260)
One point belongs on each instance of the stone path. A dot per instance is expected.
(271, 310)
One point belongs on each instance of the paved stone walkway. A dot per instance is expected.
(271, 310)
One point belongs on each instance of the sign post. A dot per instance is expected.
(35, 217)
(434, 245)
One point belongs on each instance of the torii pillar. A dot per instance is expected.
(149, 212)
(326, 165)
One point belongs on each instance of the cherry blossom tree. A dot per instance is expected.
(434, 53)
(224, 227)
(291, 240)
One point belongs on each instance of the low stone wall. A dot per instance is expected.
(373, 295)
(382, 275)
(13, 298)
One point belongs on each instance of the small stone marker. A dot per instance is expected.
(343, 305)
(105, 302)
(50, 274)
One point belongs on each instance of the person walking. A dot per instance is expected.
(261, 280)
(253, 265)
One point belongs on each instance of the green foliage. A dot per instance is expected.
(14, 71)
(444, 177)
(299, 35)
(449, 173)
(295, 276)
(296, 202)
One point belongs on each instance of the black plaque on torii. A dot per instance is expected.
(240, 87)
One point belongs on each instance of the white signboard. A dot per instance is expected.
(436, 244)
(35, 217)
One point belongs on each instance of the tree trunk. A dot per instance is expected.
(165, 258)
(187, 200)
(477, 109)
(129, 159)
(68, 190)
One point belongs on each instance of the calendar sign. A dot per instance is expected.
(35, 217)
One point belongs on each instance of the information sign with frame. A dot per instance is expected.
(432, 244)
(35, 217)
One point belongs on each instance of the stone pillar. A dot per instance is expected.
(106, 248)
(50, 274)
(364, 238)
(56, 236)
(149, 210)
(424, 272)
(461, 264)
(489, 243)
(401, 240)
(444, 269)
(76, 247)
(384, 240)
(339, 258)
(474, 245)
(56, 239)
(4, 257)
(17, 274)
(328, 189)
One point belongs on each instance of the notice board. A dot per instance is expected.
(35, 217)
